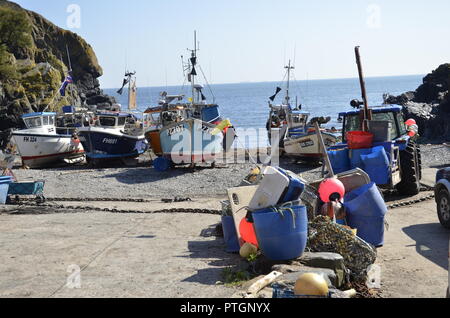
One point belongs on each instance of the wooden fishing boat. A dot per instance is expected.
(290, 128)
(187, 132)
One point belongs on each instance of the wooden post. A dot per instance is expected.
(324, 150)
(367, 113)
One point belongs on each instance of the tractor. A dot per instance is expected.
(402, 166)
(405, 160)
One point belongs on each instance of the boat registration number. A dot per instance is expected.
(29, 139)
(308, 143)
(175, 130)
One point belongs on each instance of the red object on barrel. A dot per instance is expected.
(359, 139)
(247, 232)
(329, 187)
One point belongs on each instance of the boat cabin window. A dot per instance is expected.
(297, 120)
(45, 120)
(107, 121)
(121, 121)
(33, 122)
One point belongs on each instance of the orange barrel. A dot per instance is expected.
(155, 142)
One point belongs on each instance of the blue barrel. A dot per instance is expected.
(3, 192)
(340, 160)
(229, 235)
(162, 164)
(355, 157)
(280, 238)
(366, 211)
(376, 164)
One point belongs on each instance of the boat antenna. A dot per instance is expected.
(289, 68)
(193, 63)
(367, 114)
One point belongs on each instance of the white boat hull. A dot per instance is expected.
(307, 146)
(191, 141)
(39, 150)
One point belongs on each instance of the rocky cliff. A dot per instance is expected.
(429, 105)
(34, 63)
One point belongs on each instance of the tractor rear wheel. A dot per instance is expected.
(410, 171)
(419, 158)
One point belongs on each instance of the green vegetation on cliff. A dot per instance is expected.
(33, 64)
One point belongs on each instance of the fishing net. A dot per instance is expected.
(326, 236)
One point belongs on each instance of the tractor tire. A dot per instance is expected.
(410, 171)
(419, 158)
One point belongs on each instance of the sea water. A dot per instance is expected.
(246, 104)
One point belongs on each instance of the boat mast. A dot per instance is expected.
(129, 92)
(289, 68)
(193, 63)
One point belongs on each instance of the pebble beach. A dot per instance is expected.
(142, 181)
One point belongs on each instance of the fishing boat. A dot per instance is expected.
(115, 134)
(191, 132)
(41, 143)
(291, 128)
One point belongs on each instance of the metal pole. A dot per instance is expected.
(324, 150)
(289, 68)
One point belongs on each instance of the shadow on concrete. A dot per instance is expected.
(214, 254)
(432, 242)
(144, 237)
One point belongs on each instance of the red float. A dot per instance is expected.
(247, 232)
(329, 187)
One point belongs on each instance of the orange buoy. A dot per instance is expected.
(331, 189)
(247, 232)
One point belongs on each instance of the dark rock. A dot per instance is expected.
(292, 277)
(429, 105)
(331, 261)
(100, 99)
(287, 268)
(434, 83)
(264, 265)
(401, 99)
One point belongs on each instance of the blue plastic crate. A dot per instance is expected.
(26, 188)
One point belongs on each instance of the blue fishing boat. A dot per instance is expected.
(113, 135)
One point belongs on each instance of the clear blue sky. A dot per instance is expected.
(250, 40)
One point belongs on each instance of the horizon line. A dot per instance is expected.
(272, 81)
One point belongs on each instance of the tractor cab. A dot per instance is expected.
(403, 166)
(387, 123)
